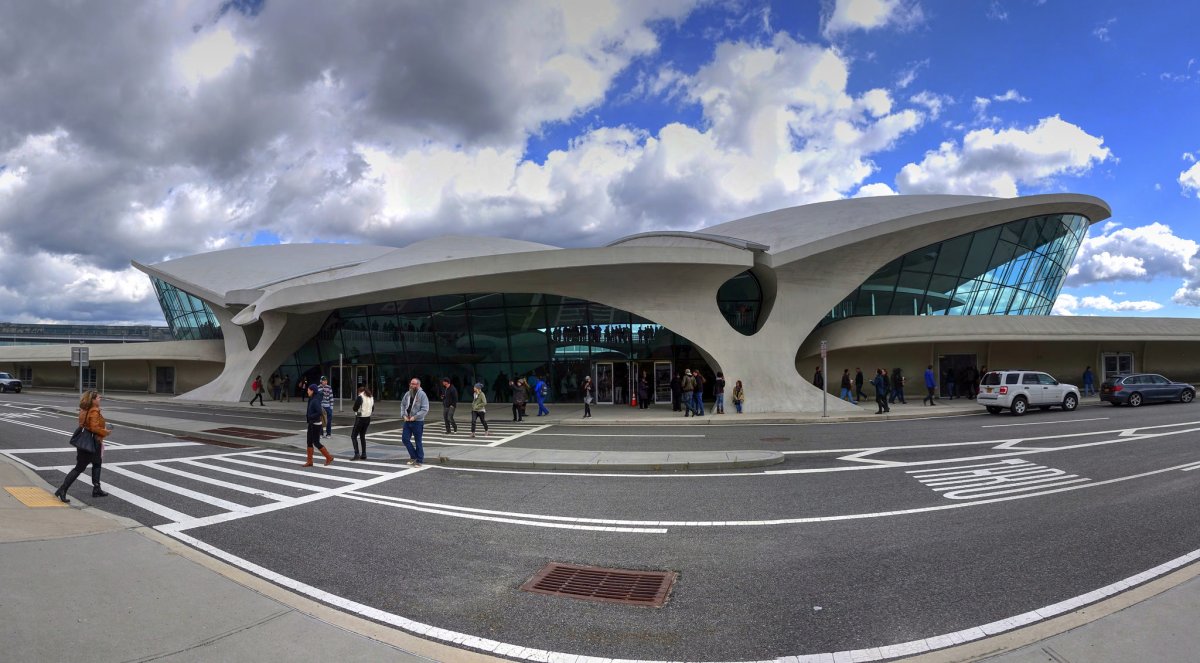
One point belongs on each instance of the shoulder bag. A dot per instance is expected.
(84, 440)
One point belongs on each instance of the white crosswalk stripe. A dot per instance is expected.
(435, 433)
(176, 488)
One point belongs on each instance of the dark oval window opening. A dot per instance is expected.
(740, 301)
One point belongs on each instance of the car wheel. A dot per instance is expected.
(3, 389)
(1070, 403)
(1018, 407)
(992, 409)
(1187, 396)
(1135, 399)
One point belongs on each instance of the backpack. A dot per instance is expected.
(256, 386)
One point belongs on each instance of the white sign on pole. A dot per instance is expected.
(79, 356)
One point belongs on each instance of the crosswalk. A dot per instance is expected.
(499, 432)
(193, 491)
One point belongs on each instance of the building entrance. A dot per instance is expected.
(958, 375)
(662, 382)
(361, 375)
(1115, 363)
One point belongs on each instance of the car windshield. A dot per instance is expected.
(5, 376)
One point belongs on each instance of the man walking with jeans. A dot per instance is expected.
(414, 406)
(449, 404)
(930, 384)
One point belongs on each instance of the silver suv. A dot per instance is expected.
(9, 383)
(1019, 390)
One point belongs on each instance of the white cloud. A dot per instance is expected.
(981, 103)
(934, 103)
(993, 163)
(1144, 253)
(909, 73)
(1189, 180)
(1068, 304)
(1104, 30)
(874, 189)
(997, 12)
(849, 15)
(211, 53)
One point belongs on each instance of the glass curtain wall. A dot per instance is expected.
(1014, 269)
(740, 301)
(490, 338)
(189, 318)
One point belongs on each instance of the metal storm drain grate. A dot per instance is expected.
(593, 583)
(248, 433)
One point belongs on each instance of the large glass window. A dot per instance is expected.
(188, 317)
(489, 338)
(1014, 269)
(740, 301)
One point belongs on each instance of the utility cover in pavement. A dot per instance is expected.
(593, 583)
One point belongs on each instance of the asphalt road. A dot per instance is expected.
(872, 533)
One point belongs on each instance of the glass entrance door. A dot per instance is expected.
(662, 382)
(361, 375)
(604, 382)
(1115, 363)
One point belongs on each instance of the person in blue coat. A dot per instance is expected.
(539, 391)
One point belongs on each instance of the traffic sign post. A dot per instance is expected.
(79, 357)
(824, 379)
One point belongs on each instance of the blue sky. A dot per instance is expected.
(158, 130)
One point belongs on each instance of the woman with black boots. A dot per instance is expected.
(92, 421)
(314, 416)
(364, 405)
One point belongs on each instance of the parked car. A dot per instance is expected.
(1019, 390)
(9, 383)
(1138, 388)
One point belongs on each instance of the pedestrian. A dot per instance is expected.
(275, 386)
(449, 405)
(847, 387)
(1089, 382)
(302, 387)
(739, 396)
(364, 404)
(971, 381)
(479, 409)
(285, 388)
(326, 392)
(819, 379)
(698, 406)
(414, 406)
(520, 396)
(687, 387)
(644, 392)
(948, 383)
(881, 389)
(540, 391)
(314, 416)
(588, 397)
(930, 384)
(92, 422)
(897, 387)
(676, 392)
(719, 393)
(858, 384)
(256, 388)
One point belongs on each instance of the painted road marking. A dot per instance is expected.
(1043, 423)
(502, 434)
(1003, 477)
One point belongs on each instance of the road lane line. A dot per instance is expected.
(511, 521)
(141, 502)
(521, 434)
(611, 435)
(1043, 423)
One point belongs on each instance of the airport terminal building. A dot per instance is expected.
(891, 282)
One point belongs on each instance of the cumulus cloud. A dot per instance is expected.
(1133, 254)
(181, 128)
(1189, 180)
(993, 163)
(843, 16)
(1067, 304)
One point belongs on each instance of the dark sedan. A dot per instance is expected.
(1144, 388)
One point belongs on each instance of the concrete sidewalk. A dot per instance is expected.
(79, 583)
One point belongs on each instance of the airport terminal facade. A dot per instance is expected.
(893, 282)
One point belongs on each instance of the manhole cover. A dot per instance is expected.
(593, 583)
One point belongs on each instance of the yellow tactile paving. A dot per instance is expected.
(34, 497)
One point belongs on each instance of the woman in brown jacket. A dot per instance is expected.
(91, 419)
